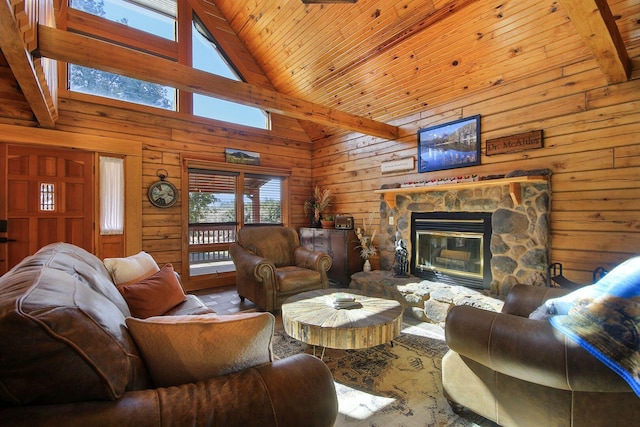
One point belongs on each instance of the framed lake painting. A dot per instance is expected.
(451, 145)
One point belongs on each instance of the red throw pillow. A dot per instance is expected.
(154, 295)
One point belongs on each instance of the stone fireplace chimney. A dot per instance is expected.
(519, 208)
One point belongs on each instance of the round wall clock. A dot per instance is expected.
(163, 194)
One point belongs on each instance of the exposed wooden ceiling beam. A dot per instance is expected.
(594, 21)
(88, 52)
(23, 68)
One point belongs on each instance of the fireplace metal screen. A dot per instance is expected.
(452, 248)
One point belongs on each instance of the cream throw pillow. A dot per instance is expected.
(131, 269)
(185, 349)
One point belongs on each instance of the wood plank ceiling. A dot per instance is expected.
(360, 67)
(386, 59)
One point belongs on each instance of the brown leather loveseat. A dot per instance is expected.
(69, 358)
(271, 265)
(517, 371)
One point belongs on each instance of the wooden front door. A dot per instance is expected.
(47, 197)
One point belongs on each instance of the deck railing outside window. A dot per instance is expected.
(209, 243)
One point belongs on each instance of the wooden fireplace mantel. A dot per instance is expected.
(514, 184)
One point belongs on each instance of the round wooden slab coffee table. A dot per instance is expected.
(307, 317)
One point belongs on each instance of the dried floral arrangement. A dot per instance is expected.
(367, 249)
(319, 201)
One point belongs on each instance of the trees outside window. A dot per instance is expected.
(221, 202)
(158, 18)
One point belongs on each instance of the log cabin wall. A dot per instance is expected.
(534, 76)
(163, 137)
(591, 144)
(166, 138)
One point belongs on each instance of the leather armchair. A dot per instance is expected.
(517, 371)
(271, 265)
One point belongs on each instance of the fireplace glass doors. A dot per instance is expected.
(452, 248)
(457, 253)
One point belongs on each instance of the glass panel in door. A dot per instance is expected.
(212, 221)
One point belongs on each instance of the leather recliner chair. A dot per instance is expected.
(271, 265)
(518, 371)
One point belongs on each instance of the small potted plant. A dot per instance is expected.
(327, 221)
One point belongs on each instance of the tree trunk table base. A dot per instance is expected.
(309, 318)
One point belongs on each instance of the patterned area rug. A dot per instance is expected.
(387, 386)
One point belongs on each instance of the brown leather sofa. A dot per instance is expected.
(517, 371)
(271, 265)
(67, 358)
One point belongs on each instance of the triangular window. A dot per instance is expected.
(208, 57)
(158, 17)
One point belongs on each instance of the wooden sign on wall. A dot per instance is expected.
(397, 165)
(513, 143)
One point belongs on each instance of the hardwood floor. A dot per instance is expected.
(224, 300)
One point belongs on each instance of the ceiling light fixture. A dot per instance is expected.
(327, 1)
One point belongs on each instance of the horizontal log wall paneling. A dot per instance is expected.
(164, 137)
(521, 65)
(591, 144)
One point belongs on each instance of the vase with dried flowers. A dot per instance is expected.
(367, 249)
(316, 203)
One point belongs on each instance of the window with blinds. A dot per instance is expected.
(212, 221)
(212, 196)
(262, 199)
(221, 202)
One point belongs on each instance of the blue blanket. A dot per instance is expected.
(604, 318)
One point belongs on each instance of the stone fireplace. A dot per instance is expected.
(519, 218)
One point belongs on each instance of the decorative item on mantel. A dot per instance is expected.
(316, 203)
(440, 181)
(366, 242)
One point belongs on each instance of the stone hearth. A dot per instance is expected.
(520, 221)
(426, 301)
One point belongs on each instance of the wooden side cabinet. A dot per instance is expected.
(341, 245)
